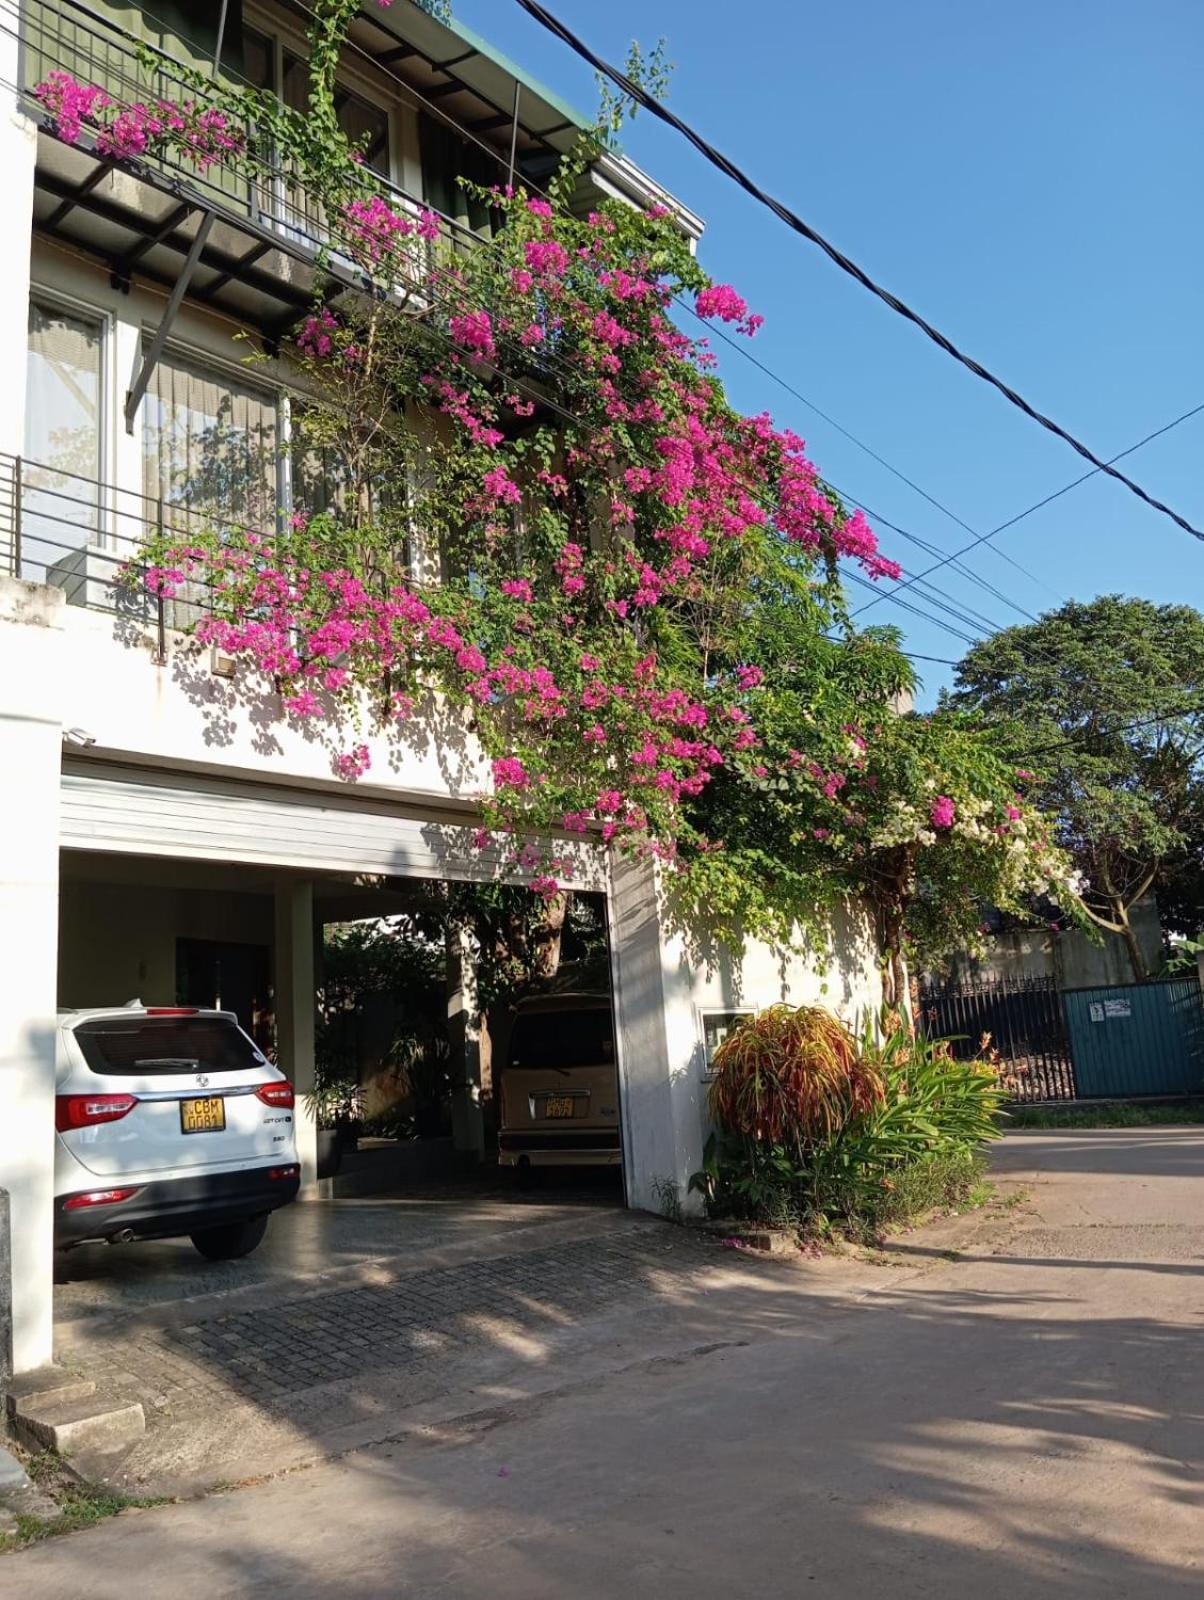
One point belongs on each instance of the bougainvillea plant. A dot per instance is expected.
(537, 510)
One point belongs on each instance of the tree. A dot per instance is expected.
(1105, 698)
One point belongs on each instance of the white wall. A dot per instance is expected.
(1074, 960)
(118, 940)
(181, 712)
(665, 983)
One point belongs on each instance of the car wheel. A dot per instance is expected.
(231, 1240)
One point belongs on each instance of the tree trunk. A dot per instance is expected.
(552, 935)
(893, 912)
(1141, 972)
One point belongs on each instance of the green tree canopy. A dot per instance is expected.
(1106, 699)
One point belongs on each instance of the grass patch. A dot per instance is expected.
(934, 1184)
(1107, 1114)
(80, 1504)
(955, 1181)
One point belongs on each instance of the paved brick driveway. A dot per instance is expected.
(309, 1353)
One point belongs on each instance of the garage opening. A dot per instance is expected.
(463, 1034)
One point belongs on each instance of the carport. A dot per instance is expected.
(172, 883)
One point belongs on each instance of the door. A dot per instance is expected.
(222, 976)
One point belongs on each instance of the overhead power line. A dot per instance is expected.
(1171, 715)
(1039, 505)
(642, 97)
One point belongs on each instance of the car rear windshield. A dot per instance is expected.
(563, 1039)
(165, 1044)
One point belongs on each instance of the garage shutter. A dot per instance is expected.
(133, 811)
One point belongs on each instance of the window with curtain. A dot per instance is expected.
(63, 437)
(210, 444)
(446, 157)
(321, 481)
(358, 118)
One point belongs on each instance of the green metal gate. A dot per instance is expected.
(1137, 1039)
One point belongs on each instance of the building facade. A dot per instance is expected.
(150, 808)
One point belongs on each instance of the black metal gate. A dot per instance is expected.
(1024, 1019)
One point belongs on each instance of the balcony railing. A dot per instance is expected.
(254, 189)
(90, 538)
(87, 538)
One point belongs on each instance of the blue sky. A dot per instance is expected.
(1027, 175)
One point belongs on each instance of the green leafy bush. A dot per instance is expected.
(791, 1077)
(818, 1130)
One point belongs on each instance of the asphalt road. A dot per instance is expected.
(1005, 1406)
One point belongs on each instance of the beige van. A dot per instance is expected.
(559, 1094)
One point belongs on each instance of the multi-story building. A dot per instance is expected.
(155, 824)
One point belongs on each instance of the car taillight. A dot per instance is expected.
(276, 1094)
(84, 1110)
(277, 1173)
(171, 1011)
(98, 1197)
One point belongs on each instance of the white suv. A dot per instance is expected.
(170, 1121)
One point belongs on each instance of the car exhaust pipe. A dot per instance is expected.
(123, 1236)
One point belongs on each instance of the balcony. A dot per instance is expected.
(85, 537)
(264, 252)
(88, 538)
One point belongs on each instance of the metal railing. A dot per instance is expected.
(254, 187)
(1025, 1021)
(89, 538)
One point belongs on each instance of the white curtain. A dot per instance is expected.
(60, 510)
(210, 446)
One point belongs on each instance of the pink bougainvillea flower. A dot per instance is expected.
(473, 329)
(943, 812)
(352, 764)
(509, 773)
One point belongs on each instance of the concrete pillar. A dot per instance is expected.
(31, 741)
(295, 1004)
(464, 1035)
(661, 1098)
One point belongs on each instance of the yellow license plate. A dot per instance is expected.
(558, 1105)
(203, 1116)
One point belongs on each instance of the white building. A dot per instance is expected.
(148, 808)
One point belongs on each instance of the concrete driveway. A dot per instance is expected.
(1004, 1405)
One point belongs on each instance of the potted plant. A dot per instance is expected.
(424, 1071)
(336, 1104)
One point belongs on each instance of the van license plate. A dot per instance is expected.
(203, 1116)
(558, 1105)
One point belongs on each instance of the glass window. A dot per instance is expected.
(209, 444)
(716, 1025)
(321, 480)
(359, 119)
(63, 437)
(165, 1044)
(562, 1039)
(446, 158)
(258, 64)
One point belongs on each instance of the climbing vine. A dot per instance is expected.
(638, 614)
